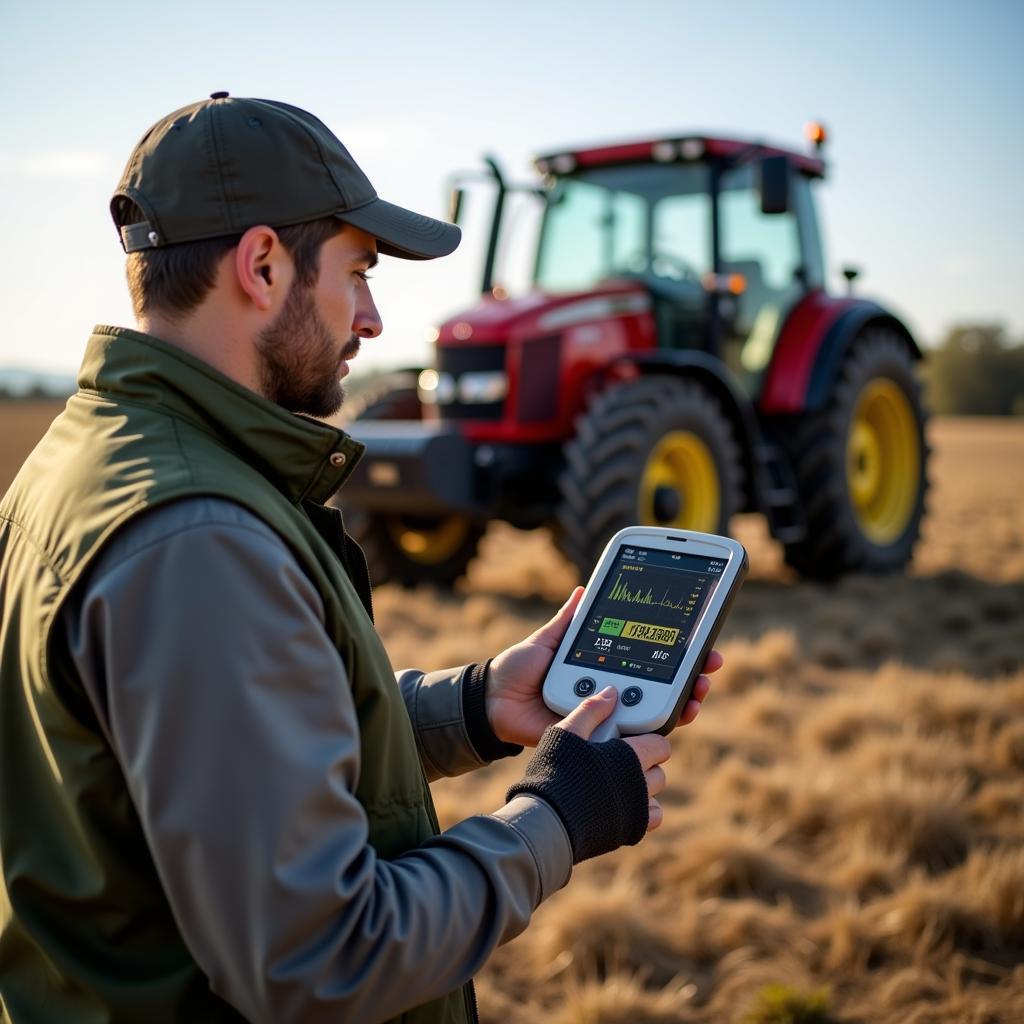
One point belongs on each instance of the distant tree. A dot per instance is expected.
(977, 371)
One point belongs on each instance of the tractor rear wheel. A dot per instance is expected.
(405, 548)
(657, 451)
(861, 465)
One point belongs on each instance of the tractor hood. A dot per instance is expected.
(496, 320)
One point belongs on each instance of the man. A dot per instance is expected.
(213, 794)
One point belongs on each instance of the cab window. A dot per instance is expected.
(764, 250)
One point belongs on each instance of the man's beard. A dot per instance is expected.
(298, 358)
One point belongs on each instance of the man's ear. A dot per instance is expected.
(263, 268)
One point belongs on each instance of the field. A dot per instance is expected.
(846, 817)
(21, 424)
(844, 827)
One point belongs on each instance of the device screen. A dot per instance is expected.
(645, 612)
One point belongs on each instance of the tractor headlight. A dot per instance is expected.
(436, 388)
(482, 387)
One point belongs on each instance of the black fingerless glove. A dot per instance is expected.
(597, 789)
(474, 714)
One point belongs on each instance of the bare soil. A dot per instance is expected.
(21, 425)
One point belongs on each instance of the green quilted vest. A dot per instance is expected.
(86, 933)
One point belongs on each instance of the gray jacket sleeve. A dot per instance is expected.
(201, 644)
(434, 702)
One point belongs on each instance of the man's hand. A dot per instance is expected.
(515, 709)
(652, 750)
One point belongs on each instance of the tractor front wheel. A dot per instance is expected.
(657, 451)
(861, 465)
(413, 549)
(405, 548)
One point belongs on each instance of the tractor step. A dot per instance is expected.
(779, 497)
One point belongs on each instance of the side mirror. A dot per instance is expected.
(455, 206)
(775, 184)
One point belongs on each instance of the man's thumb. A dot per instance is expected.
(590, 713)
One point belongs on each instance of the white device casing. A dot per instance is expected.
(662, 702)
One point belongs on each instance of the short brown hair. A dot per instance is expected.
(175, 279)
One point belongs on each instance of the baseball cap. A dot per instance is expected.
(222, 165)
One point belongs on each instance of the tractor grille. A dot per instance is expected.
(538, 380)
(462, 359)
(466, 359)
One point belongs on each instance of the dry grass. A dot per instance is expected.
(844, 829)
(864, 838)
(844, 822)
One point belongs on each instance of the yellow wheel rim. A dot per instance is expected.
(883, 461)
(429, 544)
(682, 463)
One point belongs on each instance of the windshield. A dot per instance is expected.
(625, 221)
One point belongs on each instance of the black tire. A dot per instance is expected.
(845, 534)
(404, 548)
(605, 484)
(385, 539)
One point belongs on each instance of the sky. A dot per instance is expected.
(922, 102)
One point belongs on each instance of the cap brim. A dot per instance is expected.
(402, 233)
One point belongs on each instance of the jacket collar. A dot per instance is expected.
(303, 457)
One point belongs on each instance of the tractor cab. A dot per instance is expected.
(721, 233)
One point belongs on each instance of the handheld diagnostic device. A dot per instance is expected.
(647, 620)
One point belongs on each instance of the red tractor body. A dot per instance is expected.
(675, 353)
(554, 349)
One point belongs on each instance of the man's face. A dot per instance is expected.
(303, 354)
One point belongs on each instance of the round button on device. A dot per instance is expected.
(632, 695)
(584, 687)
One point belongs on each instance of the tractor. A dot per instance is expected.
(676, 360)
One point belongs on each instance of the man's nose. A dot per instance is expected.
(367, 323)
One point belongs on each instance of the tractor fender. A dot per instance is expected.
(814, 342)
(715, 376)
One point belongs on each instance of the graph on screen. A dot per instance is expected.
(623, 593)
